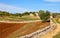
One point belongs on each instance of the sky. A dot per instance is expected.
(19, 6)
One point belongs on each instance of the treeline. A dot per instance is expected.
(55, 14)
(44, 15)
(4, 13)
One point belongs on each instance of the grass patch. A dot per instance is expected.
(54, 20)
(57, 20)
(15, 18)
(57, 36)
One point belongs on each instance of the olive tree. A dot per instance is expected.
(44, 15)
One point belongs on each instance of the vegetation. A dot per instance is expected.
(56, 17)
(44, 15)
(4, 13)
(57, 36)
(17, 16)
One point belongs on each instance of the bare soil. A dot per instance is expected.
(8, 28)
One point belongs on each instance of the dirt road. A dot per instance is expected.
(53, 32)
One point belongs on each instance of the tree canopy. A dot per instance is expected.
(44, 15)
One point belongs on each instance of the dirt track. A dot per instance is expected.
(8, 28)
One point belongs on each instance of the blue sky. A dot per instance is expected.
(29, 5)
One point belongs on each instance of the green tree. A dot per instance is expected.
(3, 13)
(44, 15)
(18, 14)
(25, 13)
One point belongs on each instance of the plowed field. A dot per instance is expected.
(7, 29)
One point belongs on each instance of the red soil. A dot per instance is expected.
(8, 28)
(36, 27)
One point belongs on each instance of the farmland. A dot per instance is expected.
(24, 28)
(16, 25)
(26, 16)
(17, 18)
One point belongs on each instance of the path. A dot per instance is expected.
(20, 21)
(54, 32)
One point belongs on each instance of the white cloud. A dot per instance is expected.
(4, 7)
(52, 0)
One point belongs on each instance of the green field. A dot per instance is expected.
(15, 18)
